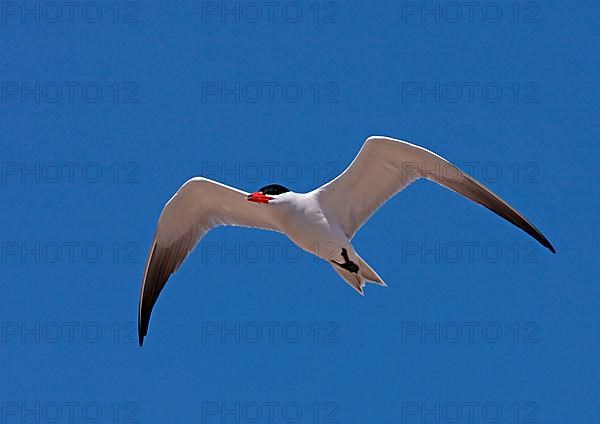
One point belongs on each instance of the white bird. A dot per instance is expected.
(322, 222)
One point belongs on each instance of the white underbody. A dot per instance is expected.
(308, 224)
(312, 226)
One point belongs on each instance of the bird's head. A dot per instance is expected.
(267, 194)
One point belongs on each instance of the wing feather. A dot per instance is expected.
(385, 166)
(197, 207)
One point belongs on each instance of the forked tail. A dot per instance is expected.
(357, 280)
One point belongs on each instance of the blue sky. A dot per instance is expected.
(106, 109)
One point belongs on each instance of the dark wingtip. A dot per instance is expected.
(142, 331)
(544, 241)
(143, 321)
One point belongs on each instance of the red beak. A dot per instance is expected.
(258, 197)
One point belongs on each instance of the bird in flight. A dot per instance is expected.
(327, 216)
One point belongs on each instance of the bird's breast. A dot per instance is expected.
(310, 230)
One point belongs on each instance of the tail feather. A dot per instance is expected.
(369, 273)
(357, 281)
(354, 280)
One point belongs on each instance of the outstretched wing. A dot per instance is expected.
(197, 207)
(385, 166)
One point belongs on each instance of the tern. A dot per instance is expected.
(327, 216)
